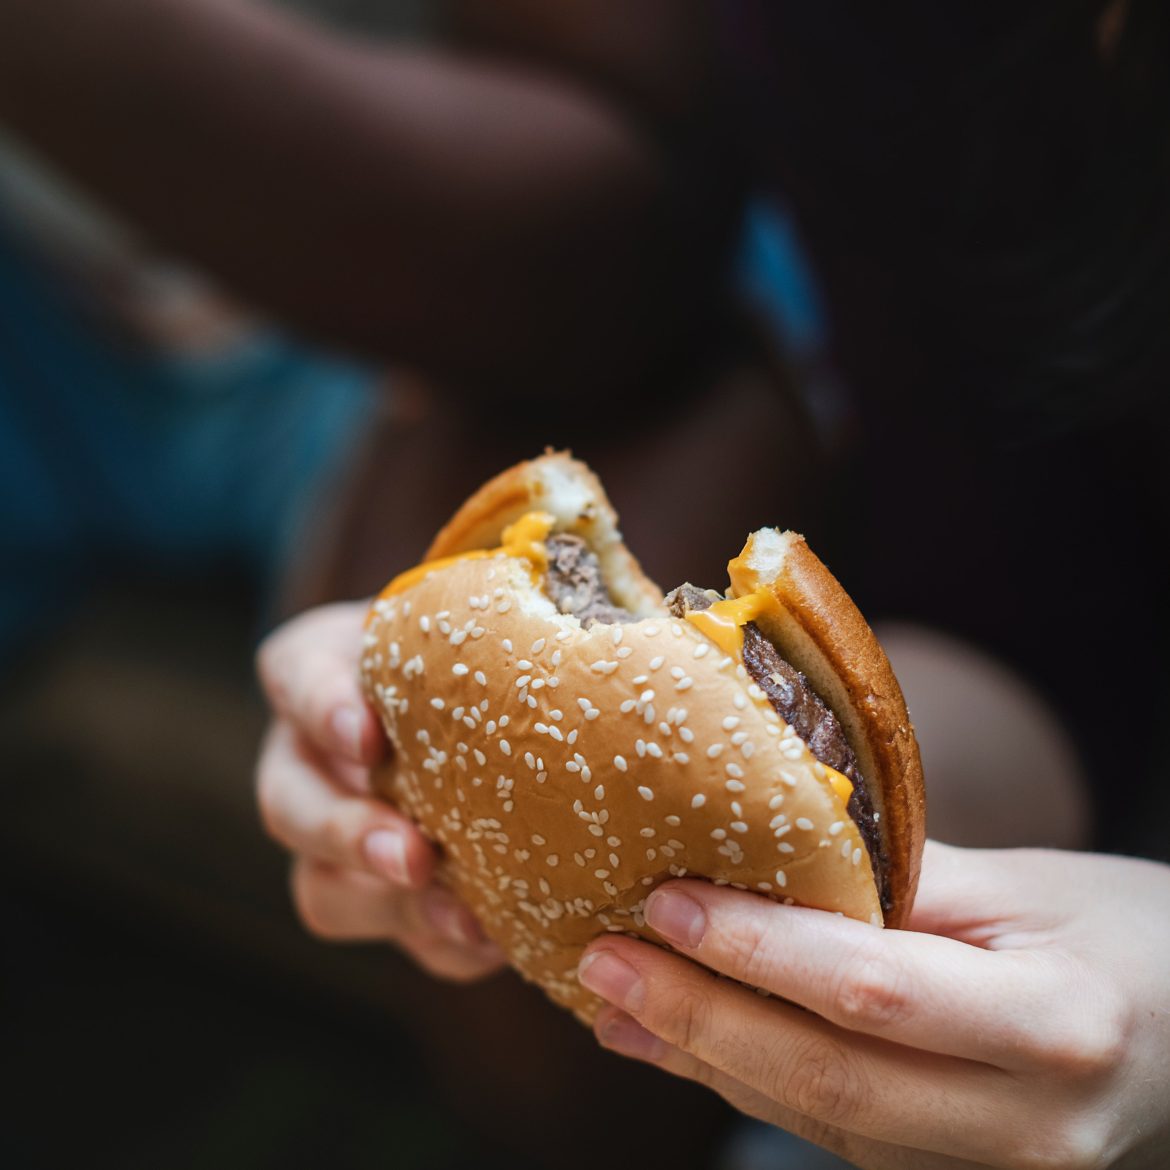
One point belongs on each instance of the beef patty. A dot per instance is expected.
(573, 580)
(805, 711)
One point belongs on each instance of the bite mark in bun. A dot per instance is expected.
(571, 740)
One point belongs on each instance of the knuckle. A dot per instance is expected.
(868, 992)
(815, 1079)
(338, 836)
(267, 795)
(689, 1018)
(750, 953)
(1074, 1144)
(1093, 1042)
(311, 907)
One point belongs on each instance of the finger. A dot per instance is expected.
(621, 1033)
(893, 984)
(307, 813)
(845, 1081)
(309, 670)
(433, 926)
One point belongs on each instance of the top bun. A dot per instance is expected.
(567, 771)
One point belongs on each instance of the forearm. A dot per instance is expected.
(417, 206)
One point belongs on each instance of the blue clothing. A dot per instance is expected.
(112, 455)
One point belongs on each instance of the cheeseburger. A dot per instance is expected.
(570, 737)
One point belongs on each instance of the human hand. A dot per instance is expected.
(361, 871)
(1022, 1021)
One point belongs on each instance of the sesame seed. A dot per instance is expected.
(614, 860)
(507, 645)
(748, 750)
(654, 750)
(592, 713)
(623, 651)
(836, 827)
(778, 820)
(651, 854)
(686, 735)
(645, 792)
(738, 827)
(698, 800)
(490, 728)
(846, 846)
(734, 770)
(681, 758)
(781, 878)
(657, 661)
(714, 750)
(523, 680)
(647, 832)
(685, 684)
(731, 722)
(572, 736)
(601, 874)
(718, 834)
(739, 702)
(603, 667)
(804, 823)
(553, 860)
(785, 847)
(438, 704)
(701, 650)
(619, 762)
(505, 747)
(640, 748)
(649, 631)
(556, 734)
(584, 704)
(627, 706)
(481, 678)
(736, 809)
(572, 766)
(856, 856)
(480, 758)
(599, 792)
(537, 646)
(424, 624)
(674, 822)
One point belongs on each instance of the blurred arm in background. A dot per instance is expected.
(477, 220)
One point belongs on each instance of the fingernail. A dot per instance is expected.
(346, 722)
(676, 917)
(624, 1034)
(386, 851)
(454, 923)
(613, 979)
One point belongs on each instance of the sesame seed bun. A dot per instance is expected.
(565, 772)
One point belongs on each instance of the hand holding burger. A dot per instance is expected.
(1019, 1019)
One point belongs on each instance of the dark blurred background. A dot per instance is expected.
(808, 326)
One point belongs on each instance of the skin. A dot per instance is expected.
(413, 206)
(1023, 1020)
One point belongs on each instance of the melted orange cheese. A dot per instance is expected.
(525, 539)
